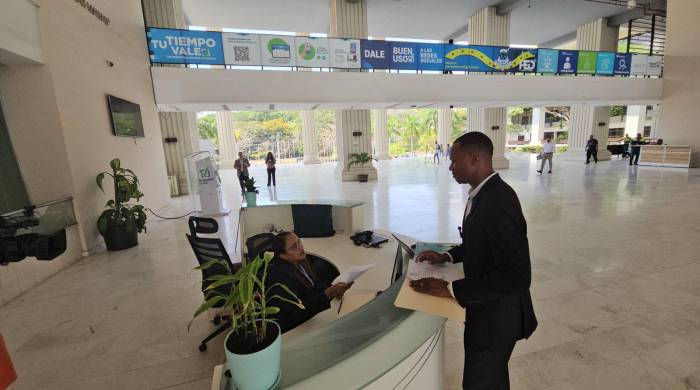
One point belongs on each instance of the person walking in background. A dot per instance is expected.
(270, 162)
(592, 150)
(447, 151)
(241, 165)
(547, 154)
(436, 152)
(636, 146)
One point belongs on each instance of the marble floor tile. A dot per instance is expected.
(615, 271)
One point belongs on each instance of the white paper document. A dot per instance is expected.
(446, 272)
(353, 273)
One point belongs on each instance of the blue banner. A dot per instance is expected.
(568, 60)
(507, 59)
(185, 46)
(623, 62)
(605, 63)
(547, 60)
(375, 54)
(455, 58)
(404, 56)
(431, 56)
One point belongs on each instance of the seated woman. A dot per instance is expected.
(291, 268)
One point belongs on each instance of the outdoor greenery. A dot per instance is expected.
(206, 124)
(118, 211)
(248, 301)
(358, 159)
(618, 110)
(415, 130)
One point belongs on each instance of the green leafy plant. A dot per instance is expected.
(118, 211)
(249, 184)
(358, 159)
(248, 300)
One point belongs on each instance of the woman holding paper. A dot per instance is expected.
(291, 268)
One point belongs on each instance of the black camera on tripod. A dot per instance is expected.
(20, 237)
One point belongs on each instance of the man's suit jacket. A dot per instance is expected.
(313, 297)
(496, 260)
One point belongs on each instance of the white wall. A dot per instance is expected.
(678, 122)
(59, 123)
(210, 89)
(19, 32)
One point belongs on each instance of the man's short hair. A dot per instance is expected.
(475, 140)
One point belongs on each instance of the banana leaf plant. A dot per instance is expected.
(118, 211)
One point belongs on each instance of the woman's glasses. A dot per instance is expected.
(295, 247)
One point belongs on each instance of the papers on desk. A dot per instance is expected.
(353, 273)
(427, 246)
(446, 272)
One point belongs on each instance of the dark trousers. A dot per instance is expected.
(635, 155)
(271, 175)
(590, 153)
(486, 368)
(240, 180)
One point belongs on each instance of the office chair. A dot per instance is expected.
(205, 250)
(258, 244)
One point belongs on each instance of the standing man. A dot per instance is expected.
(241, 165)
(592, 150)
(636, 146)
(547, 154)
(436, 152)
(496, 259)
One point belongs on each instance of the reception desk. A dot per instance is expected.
(374, 346)
(679, 156)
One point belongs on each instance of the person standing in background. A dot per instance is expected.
(270, 162)
(436, 152)
(636, 146)
(447, 151)
(592, 150)
(547, 154)
(241, 165)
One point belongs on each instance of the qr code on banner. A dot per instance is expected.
(241, 53)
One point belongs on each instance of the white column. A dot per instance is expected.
(228, 144)
(586, 120)
(180, 125)
(537, 127)
(486, 27)
(353, 127)
(381, 136)
(444, 127)
(634, 120)
(308, 134)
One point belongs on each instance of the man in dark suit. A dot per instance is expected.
(496, 259)
(291, 268)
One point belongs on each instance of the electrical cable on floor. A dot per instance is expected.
(181, 216)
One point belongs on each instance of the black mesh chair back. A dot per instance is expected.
(258, 244)
(322, 268)
(207, 249)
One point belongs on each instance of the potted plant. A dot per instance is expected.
(253, 347)
(251, 191)
(121, 221)
(359, 159)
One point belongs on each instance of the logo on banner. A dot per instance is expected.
(375, 54)
(183, 46)
(279, 48)
(622, 63)
(307, 51)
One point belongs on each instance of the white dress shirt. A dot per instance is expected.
(548, 147)
(472, 194)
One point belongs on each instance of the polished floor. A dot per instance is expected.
(616, 282)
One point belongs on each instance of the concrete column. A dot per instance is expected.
(634, 120)
(308, 134)
(228, 144)
(444, 127)
(486, 27)
(537, 127)
(180, 125)
(381, 135)
(353, 127)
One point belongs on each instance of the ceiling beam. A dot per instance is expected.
(507, 6)
(624, 17)
(458, 33)
(559, 41)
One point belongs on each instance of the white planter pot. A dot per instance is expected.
(258, 370)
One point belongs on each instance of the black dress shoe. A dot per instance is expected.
(539, 171)
(549, 172)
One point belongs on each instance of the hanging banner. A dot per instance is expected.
(431, 56)
(455, 57)
(638, 66)
(547, 60)
(654, 64)
(622, 64)
(403, 56)
(278, 50)
(172, 46)
(586, 62)
(568, 59)
(313, 52)
(241, 49)
(345, 53)
(470, 58)
(507, 59)
(375, 54)
(605, 63)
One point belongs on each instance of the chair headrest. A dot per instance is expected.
(203, 225)
(258, 244)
